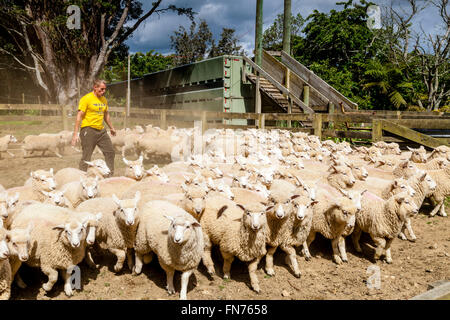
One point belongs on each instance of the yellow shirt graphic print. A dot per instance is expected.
(94, 109)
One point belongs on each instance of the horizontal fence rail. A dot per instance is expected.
(373, 125)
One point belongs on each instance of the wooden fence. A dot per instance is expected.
(368, 125)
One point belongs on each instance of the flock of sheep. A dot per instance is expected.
(247, 192)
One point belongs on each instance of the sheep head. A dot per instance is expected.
(127, 208)
(19, 242)
(180, 229)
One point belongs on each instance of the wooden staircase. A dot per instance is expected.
(274, 94)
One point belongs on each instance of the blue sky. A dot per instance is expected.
(240, 14)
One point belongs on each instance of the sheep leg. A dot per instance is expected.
(206, 258)
(6, 294)
(137, 269)
(311, 237)
(89, 260)
(380, 244)
(252, 266)
(387, 247)
(15, 264)
(120, 254)
(305, 251)
(169, 274)
(291, 260)
(443, 213)
(129, 259)
(184, 284)
(341, 246)
(408, 227)
(67, 282)
(402, 235)
(52, 275)
(19, 281)
(227, 260)
(436, 208)
(356, 235)
(334, 245)
(269, 261)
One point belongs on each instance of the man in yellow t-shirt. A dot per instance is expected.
(92, 110)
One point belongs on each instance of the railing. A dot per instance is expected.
(367, 125)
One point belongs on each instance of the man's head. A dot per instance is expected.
(99, 87)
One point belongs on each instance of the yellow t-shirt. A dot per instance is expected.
(94, 109)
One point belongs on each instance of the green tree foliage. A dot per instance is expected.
(273, 36)
(193, 45)
(140, 64)
(227, 45)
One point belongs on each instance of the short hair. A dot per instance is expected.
(98, 82)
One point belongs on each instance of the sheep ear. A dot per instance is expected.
(184, 187)
(410, 149)
(59, 227)
(344, 192)
(169, 217)
(116, 200)
(295, 196)
(400, 199)
(125, 161)
(98, 216)
(423, 175)
(141, 158)
(312, 203)
(90, 163)
(221, 210)
(195, 224)
(362, 192)
(241, 206)
(45, 193)
(332, 169)
(269, 208)
(51, 171)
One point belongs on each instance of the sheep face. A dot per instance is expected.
(303, 206)
(408, 169)
(89, 187)
(417, 155)
(11, 202)
(359, 172)
(180, 229)
(44, 179)
(401, 185)
(407, 206)
(255, 219)
(344, 211)
(127, 208)
(92, 226)
(154, 171)
(427, 181)
(344, 175)
(56, 197)
(134, 169)
(354, 195)
(19, 242)
(12, 139)
(74, 232)
(100, 165)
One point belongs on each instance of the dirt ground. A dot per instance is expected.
(415, 265)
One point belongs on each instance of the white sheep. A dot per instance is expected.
(174, 236)
(382, 220)
(79, 191)
(331, 217)
(5, 267)
(116, 230)
(238, 231)
(55, 245)
(96, 168)
(4, 143)
(134, 169)
(54, 143)
(41, 180)
(442, 191)
(114, 185)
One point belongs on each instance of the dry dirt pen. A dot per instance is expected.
(415, 265)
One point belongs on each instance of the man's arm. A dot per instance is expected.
(75, 138)
(109, 123)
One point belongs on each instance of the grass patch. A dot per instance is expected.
(21, 123)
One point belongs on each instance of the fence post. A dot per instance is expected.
(163, 124)
(331, 111)
(257, 94)
(377, 130)
(261, 121)
(23, 98)
(289, 122)
(204, 123)
(64, 117)
(317, 125)
(306, 95)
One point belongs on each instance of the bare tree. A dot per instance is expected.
(419, 52)
(35, 36)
